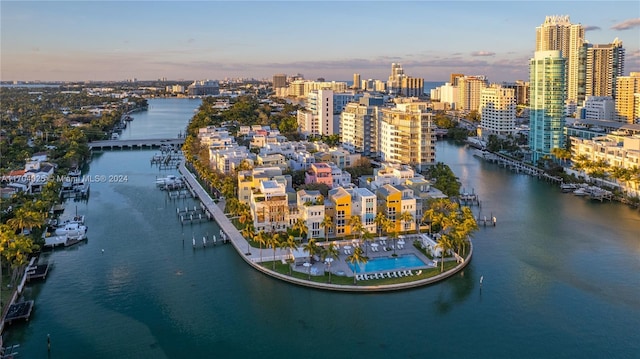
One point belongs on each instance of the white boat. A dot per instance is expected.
(581, 192)
(64, 240)
(76, 219)
(74, 173)
(72, 229)
(171, 181)
(568, 187)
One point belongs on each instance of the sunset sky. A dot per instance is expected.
(147, 40)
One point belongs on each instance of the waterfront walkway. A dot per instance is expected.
(230, 231)
(253, 256)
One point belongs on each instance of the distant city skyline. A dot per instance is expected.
(119, 40)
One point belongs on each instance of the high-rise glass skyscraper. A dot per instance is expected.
(558, 33)
(547, 81)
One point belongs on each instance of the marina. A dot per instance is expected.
(140, 288)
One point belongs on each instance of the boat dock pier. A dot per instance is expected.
(207, 241)
(468, 199)
(167, 160)
(38, 271)
(181, 193)
(228, 232)
(18, 311)
(191, 215)
(516, 166)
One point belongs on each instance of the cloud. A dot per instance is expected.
(191, 40)
(591, 28)
(483, 53)
(627, 24)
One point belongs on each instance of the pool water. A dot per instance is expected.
(408, 261)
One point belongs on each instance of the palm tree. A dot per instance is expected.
(248, 232)
(366, 237)
(261, 238)
(244, 213)
(379, 220)
(311, 248)
(357, 258)
(444, 244)
(355, 222)
(405, 217)
(26, 218)
(301, 227)
(331, 252)
(273, 241)
(15, 249)
(326, 223)
(289, 243)
(466, 226)
(7, 235)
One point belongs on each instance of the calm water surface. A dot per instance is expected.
(561, 279)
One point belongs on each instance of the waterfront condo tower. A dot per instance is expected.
(548, 94)
(628, 98)
(558, 33)
(497, 111)
(605, 63)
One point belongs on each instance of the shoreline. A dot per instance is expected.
(240, 244)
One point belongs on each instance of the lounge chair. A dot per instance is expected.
(419, 272)
(408, 273)
(395, 274)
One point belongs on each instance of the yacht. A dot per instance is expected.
(171, 181)
(72, 229)
(568, 187)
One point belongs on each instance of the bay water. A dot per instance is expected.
(561, 279)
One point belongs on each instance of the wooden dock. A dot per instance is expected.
(228, 233)
(19, 311)
(38, 271)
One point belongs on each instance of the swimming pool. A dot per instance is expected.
(407, 261)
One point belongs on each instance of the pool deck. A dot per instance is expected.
(340, 266)
(253, 257)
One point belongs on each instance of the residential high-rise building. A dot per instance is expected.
(356, 82)
(412, 86)
(204, 88)
(395, 79)
(279, 81)
(627, 90)
(406, 135)
(497, 111)
(469, 88)
(453, 79)
(548, 94)
(558, 33)
(521, 89)
(358, 125)
(296, 88)
(604, 64)
(317, 118)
